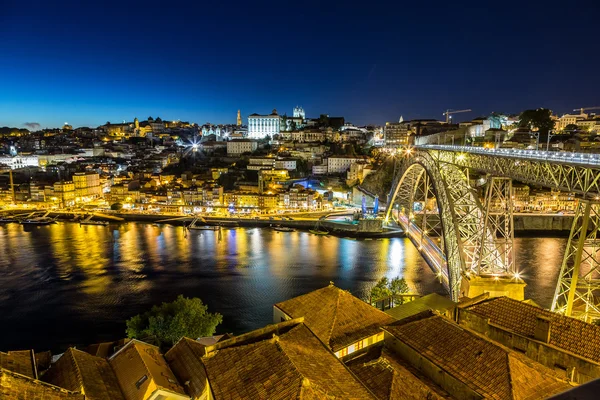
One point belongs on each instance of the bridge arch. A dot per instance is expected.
(460, 211)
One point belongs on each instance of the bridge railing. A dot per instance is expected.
(549, 156)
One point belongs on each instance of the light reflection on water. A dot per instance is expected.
(68, 284)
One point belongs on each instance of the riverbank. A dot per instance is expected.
(372, 229)
(526, 224)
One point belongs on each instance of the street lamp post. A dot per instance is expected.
(550, 135)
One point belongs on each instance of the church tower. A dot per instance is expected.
(239, 118)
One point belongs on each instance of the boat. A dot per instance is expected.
(38, 221)
(88, 221)
(283, 229)
(102, 223)
(317, 231)
(194, 227)
(203, 228)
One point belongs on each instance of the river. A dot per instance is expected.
(66, 284)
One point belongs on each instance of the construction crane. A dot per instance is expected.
(449, 113)
(582, 109)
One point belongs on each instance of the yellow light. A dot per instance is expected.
(460, 157)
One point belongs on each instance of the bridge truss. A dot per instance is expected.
(469, 242)
(486, 247)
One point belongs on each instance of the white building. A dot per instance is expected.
(259, 126)
(299, 113)
(260, 163)
(237, 147)
(290, 165)
(319, 169)
(340, 164)
(20, 161)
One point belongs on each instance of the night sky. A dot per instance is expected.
(368, 61)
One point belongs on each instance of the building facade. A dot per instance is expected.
(260, 126)
(241, 146)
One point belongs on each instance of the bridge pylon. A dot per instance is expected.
(498, 229)
(579, 281)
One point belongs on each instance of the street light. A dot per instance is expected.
(550, 135)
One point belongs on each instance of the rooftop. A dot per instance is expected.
(487, 368)
(294, 364)
(335, 316)
(140, 368)
(432, 301)
(20, 387)
(19, 361)
(570, 334)
(390, 377)
(79, 371)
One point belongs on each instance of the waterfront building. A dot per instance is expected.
(241, 146)
(87, 186)
(272, 179)
(298, 198)
(569, 346)
(64, 193)
(343, 322)
(260, 126)
(341, 164)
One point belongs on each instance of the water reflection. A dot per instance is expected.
(65, 284)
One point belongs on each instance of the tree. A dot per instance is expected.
(398, 286)
(571, 128)
(380, 290)
(386, 289)
(540, 120)
(164, 325)
(116, 206)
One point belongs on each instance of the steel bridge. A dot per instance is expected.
(462, 237)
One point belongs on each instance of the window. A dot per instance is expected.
(141, 381)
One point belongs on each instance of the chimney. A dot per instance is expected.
(542, 329)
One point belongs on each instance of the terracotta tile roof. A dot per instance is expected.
(18, 361)
(140, 368)
(335, 316)
(105, 349)
(489, 369)
(293, 365)
(185, 361)
(15, 386)
(570, 334)
(79, 371)
(432, 301)
(390, 377)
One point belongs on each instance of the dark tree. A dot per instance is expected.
(164, 325)
(540, 119)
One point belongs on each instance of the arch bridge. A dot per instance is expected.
(468, 241)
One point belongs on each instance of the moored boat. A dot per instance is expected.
(317, 231)
(283, 229)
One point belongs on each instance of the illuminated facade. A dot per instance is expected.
(260, 126)
(87, 186)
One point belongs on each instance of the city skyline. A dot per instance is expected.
(85, 65)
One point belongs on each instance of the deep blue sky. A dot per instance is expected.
(86, 62)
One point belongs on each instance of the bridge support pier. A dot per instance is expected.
(578, 285)
(496, 286)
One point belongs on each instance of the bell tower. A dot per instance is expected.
(239, 118)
